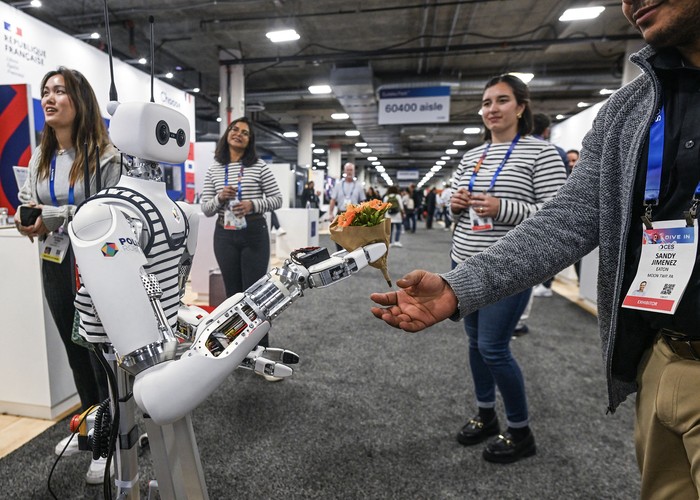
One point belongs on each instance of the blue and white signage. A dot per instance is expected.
(414, 105)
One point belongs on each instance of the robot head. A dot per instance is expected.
(149, 132)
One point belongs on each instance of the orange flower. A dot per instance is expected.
(368, 213)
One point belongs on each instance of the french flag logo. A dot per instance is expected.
(13, 29)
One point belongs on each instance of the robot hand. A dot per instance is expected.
(270, 361)
(226, 337)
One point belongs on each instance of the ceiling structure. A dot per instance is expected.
(360, 47)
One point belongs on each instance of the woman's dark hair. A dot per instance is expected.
(222, 153)
(88, 126)
(522, 96)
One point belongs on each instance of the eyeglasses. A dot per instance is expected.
(239, 131)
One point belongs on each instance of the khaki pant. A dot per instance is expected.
(667, 429)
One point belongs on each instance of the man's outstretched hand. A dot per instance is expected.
(424, 299)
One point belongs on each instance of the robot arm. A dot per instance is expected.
(228, 337)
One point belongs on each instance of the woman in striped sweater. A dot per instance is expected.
(239, 189)
(497, 186)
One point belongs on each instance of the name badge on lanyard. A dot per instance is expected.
(669, 248)
(55, 246)
(478, 223)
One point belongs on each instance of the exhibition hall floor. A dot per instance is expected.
(372, 412)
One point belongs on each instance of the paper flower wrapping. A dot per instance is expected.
(362, 225)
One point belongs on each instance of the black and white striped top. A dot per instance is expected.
(164, 254)
(532, 175)
(258, 185)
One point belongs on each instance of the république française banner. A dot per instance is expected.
(31, 48)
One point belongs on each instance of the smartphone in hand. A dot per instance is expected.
(28, 215)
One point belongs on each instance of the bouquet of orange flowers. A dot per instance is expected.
(361, 225)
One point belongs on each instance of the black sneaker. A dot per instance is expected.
(521, 330)
(505, 450)
(476, 430)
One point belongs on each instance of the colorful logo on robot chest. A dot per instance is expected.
(109, 249)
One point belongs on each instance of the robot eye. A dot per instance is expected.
(162, 132)
(180, 137)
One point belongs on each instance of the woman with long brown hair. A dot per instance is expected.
(55, 185)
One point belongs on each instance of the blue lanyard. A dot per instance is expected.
(52, 189)
(655, 160)
(239, 190)
(342, 186)
(498, 170)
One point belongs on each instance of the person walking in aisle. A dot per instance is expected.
(345, 192)
(430, 207)
(239, 188)
(56, 186)
(396, 213)
(639, 143)
(411, 209)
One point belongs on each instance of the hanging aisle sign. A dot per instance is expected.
(414, 105)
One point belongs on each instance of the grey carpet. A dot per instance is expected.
(372, 412)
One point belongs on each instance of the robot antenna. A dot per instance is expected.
(152, 20)
(112, 87)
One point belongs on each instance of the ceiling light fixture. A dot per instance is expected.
(372, 158)
(280, 36)
(353, 133)
(606, 91)
(340, 116)
(320, 89)
(472, 130)
(445, 157)
(26, 5)
(451, 151)
(366, 150)
(291, 135)
(525, 77)
(581, 13)
(360, 144)
(319, 151)
(459, 143)
(88, 36)
(583, 104)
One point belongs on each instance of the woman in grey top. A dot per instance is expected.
(55, 185)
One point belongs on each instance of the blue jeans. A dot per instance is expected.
(243, 257)
(492, 365)
(395, 232)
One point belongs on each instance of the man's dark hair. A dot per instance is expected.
(540, 123)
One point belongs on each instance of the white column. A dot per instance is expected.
(231, 89)
(304, 141)
(335, 169)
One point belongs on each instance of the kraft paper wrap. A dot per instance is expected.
(353, 237)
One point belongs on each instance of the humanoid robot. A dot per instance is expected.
(134, 247)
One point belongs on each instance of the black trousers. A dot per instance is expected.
(243, 256)
(88, 375)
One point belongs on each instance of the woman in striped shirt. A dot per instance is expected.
(239, 189)
(497, 186)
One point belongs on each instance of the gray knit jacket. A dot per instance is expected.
(592, 209)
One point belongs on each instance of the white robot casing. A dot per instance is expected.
(150, 131)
